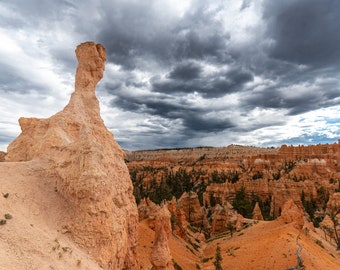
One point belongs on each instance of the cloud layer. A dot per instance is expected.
(180, 73)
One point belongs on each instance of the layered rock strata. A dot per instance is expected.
(87, 166)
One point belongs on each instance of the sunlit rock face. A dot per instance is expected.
(160, 256)
(87, 166)
(291, 213)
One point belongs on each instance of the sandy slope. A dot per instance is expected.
(271, 245)
(34, 238)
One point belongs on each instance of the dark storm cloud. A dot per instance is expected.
(305, 31)
(133, 30)
(130, 30)
(196, 45)
(211, 86)
(150, 105)
(193, 119)
(301, 102)
(198, 123)
(186, 71)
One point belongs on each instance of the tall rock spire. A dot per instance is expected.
(87, 167)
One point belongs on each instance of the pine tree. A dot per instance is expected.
(218, 259)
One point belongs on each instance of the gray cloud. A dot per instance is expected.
(211, 86)
(186, 75)
(305, 31)
(186, 71)
(197, 123)
(137, 30)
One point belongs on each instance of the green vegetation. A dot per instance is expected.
(338, 189)
(218, 259)
(8, 216)
(171, 183)
(288, 166)
(230, 228)
(319, 243)
(265, 209)
(162, 183)
(311, 206)
(222, 176)
(333, 214)
(257, 175)
(242, 204)
(204, 260)
(276, 175)
(176, 265)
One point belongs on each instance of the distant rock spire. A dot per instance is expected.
(160, 256)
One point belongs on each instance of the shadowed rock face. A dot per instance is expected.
(2, 156)
(87, 166)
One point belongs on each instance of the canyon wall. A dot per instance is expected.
(271, 176)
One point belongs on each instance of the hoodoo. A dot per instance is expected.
(160, 256)
(87, 167)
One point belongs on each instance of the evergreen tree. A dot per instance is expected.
(218, 259)
(243, 205)
(230, 228)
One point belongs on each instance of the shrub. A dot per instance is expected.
(204, 260)
(176, 265)
(318, 242)
(8, 216)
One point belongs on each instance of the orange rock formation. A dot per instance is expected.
(160, 255)
(2, 156)
(87, 166)
(257, 212)
(292, 213)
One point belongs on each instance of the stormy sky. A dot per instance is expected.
(180, 73)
